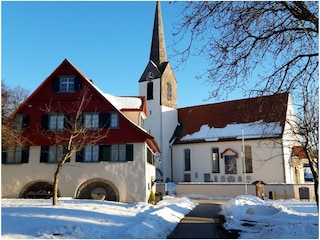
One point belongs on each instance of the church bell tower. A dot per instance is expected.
(158, 84)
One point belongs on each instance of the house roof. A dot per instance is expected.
(299, 152)
(158, 49)
(126, 102)
(259, 117)
(117, 103)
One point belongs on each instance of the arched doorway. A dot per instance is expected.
(37, 189)
(96, 188)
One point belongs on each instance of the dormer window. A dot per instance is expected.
(67, 84)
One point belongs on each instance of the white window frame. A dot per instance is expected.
(114, 120)
(66, 84)
(55, 154)
(118, 153)
(91, 154)
(91, 120)
(56, 122)
(14, 155)
(18, 121)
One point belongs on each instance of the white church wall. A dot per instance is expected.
(169, 124)
(266, 159)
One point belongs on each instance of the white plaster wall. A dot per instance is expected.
(266, 157)
(130, 178)
(290, 139)
(161, 121)
(169, 124)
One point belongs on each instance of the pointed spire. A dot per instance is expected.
(158, 49)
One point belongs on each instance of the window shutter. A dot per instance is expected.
(45, 122)
(104, 152)
(55, 84)
(44, 154)
(79, 156)
(25, 122)
(77, 83)
(104, 120)
(4, 155)
(25, 155)
(67, 122)
(129, 152)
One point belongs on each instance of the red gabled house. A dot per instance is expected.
(117, 158)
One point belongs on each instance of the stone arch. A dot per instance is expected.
(98, 186)
(37, 189)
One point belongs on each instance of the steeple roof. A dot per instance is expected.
(158, 49)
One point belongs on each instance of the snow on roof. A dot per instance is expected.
(124, 102)
(258, 129)
(121, 102)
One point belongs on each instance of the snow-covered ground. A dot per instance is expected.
(37, 218)
(274, 219)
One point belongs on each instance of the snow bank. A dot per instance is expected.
(36, 218)
(258, 219)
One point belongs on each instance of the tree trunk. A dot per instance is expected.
(56, 184)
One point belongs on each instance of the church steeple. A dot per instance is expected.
(158, 49)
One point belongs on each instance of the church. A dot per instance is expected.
(147, 138)
(216, 142)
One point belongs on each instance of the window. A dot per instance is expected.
(187, 164)
(56, 122)
(52, 154)
(150, 90)
(118, 153)
(215, 160)
(66, 84)
(169, 91)
(187, 177)
(207, 177)
(15, 155)
(114, 153)
(21, 122)
(150, 157)
(114, 120)
(91, 154)
(230, 164)
(55, 154)
(91, 120)
(248, 159)
(141, 122)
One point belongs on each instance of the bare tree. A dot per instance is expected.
(75, 135)
(258, 47)
(11, 98)
(277, 41)
(308, 122)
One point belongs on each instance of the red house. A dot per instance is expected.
(117, 158)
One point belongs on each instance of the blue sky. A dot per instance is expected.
(108, 41)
